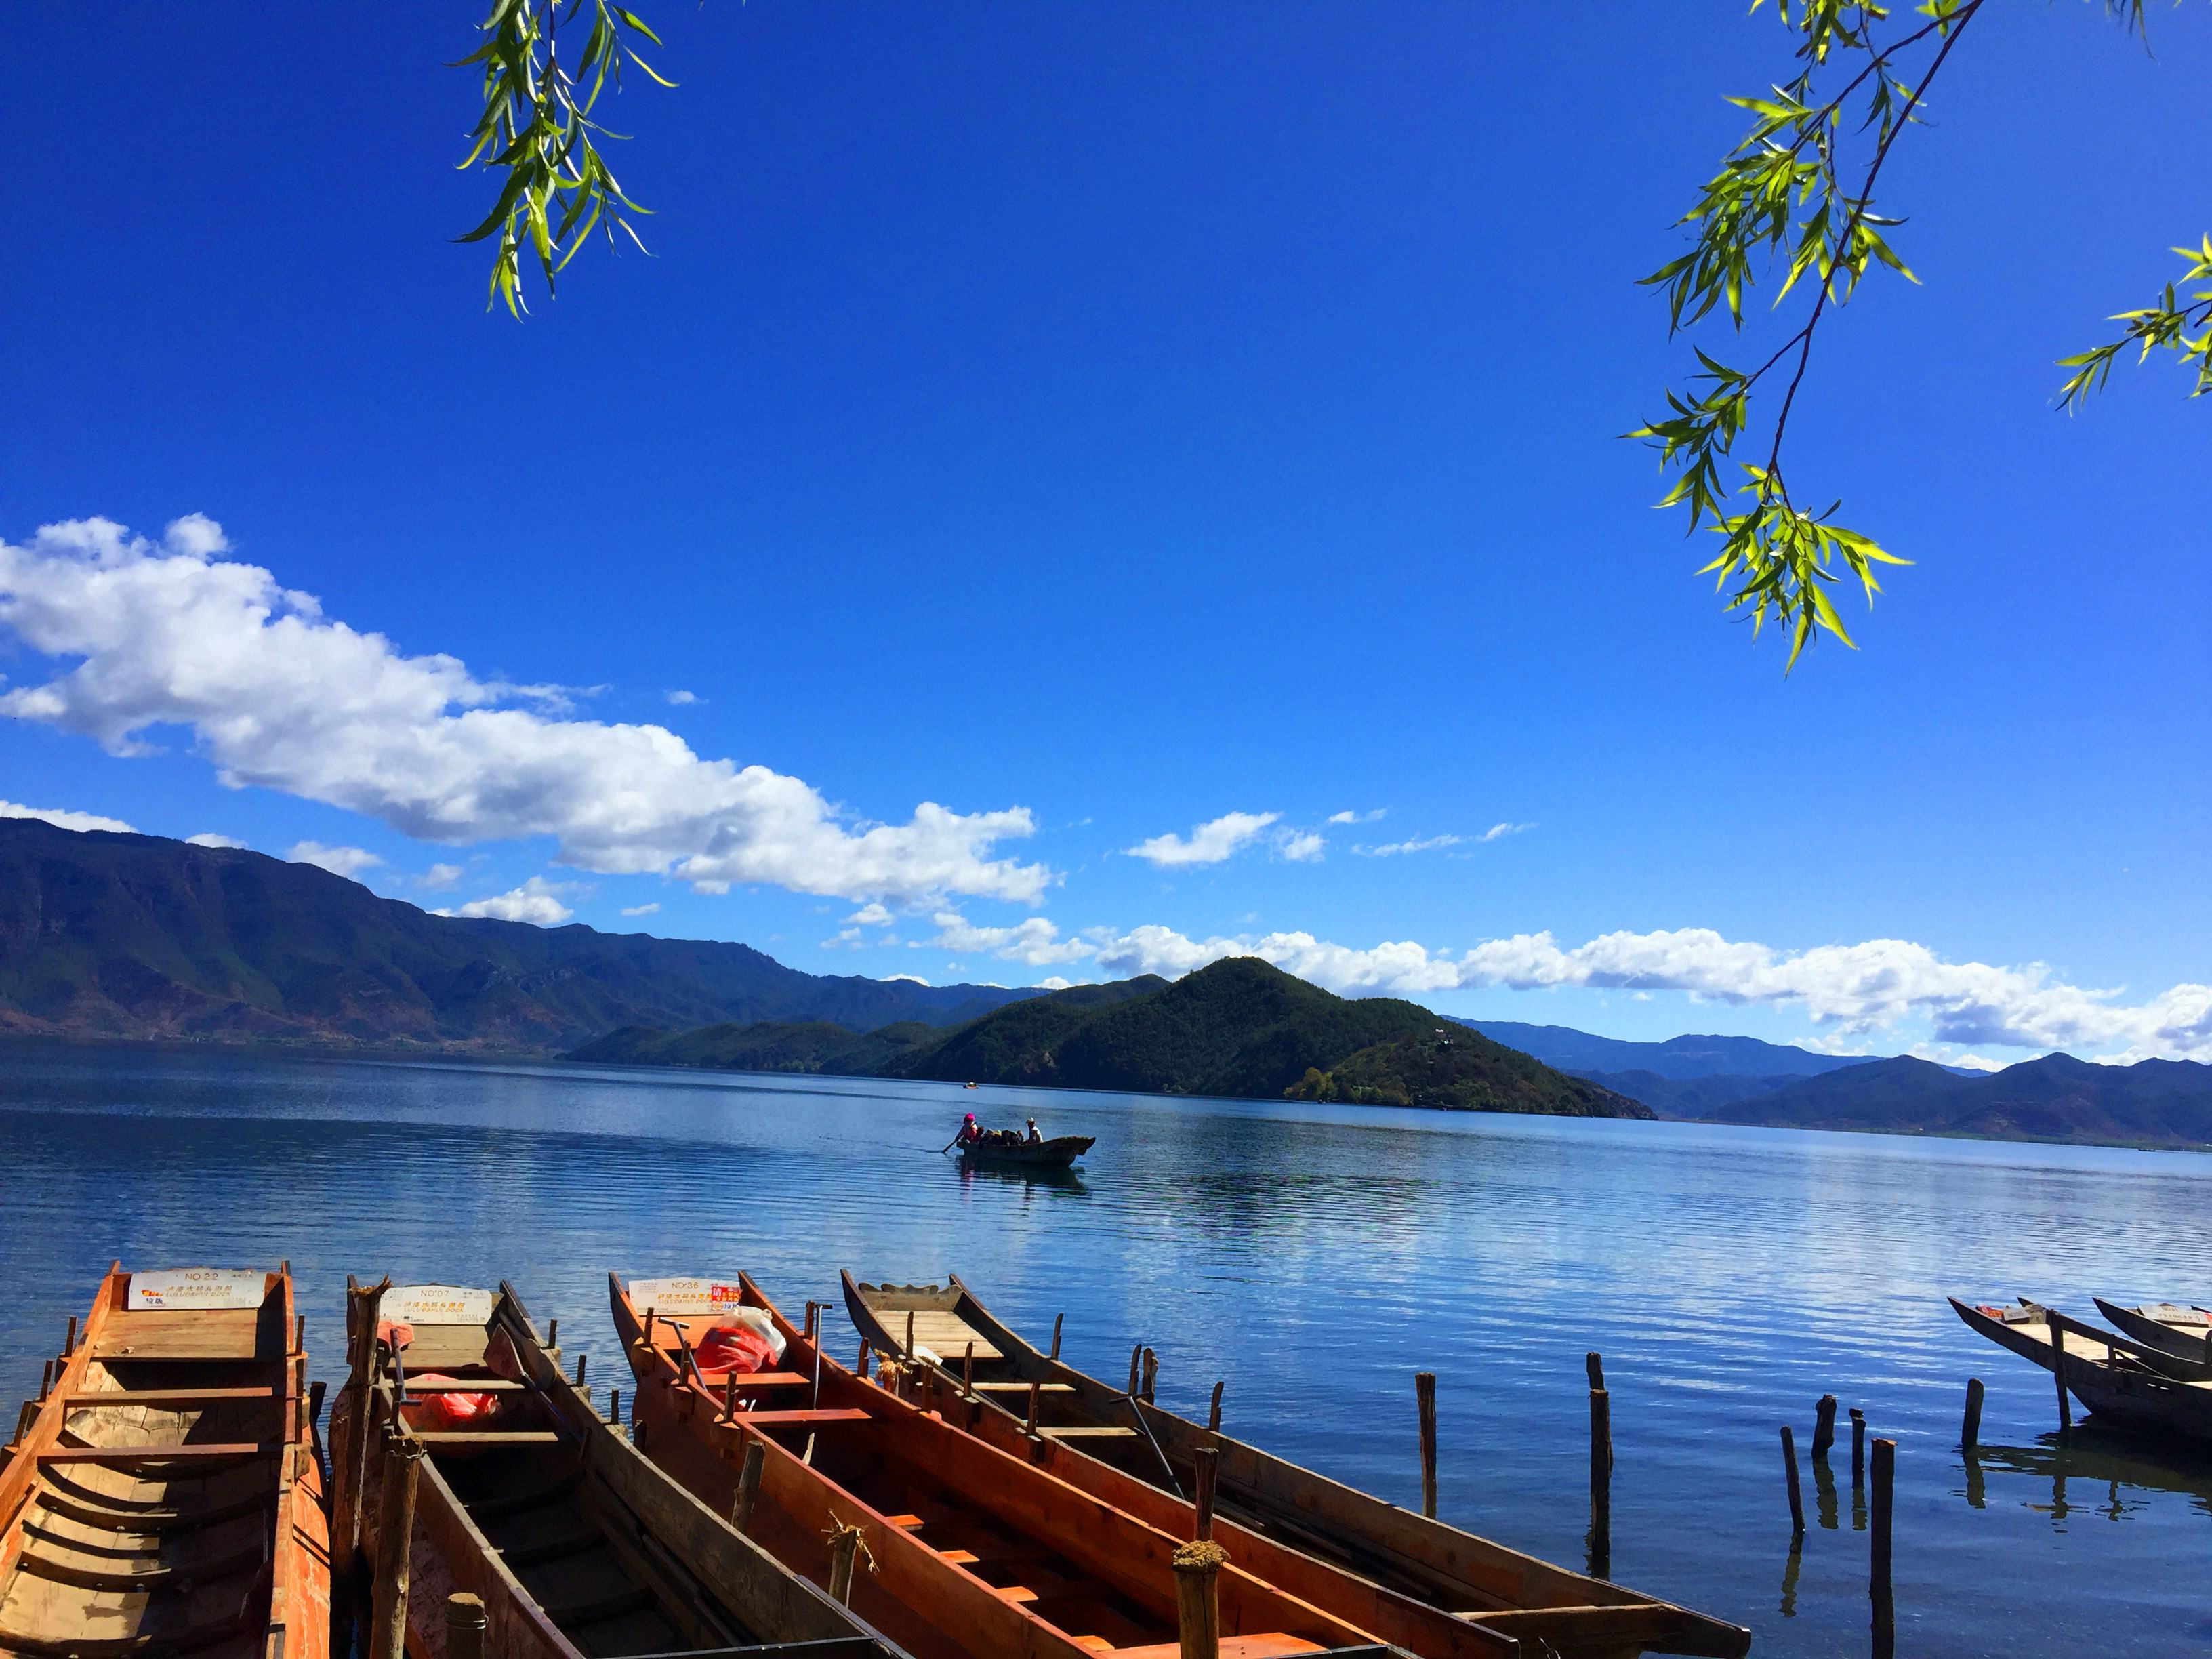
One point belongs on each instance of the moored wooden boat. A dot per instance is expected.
(1100, 1437)
(1058, 1153)
(527, 1497)
(2184, 1333)
(972, 1552)
(2115, 1376)
(163, 1496)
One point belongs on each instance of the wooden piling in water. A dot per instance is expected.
(1198, 1608)
(614, 1407)
(860, 1366)
(1796, 1497)
(1593, 1363)
(1136, 1366)
(465, 1625)
(395, 1523)
(1151, 1373)
(749, 1484)
(1601, 1544)
(968, 1372)
(1213, 1412)
(45, 1382)
(2058, 1369)
(1878, 1587)
(1035, 1394)
(68, 1342)
(1969, 1431)
(581, 1358)
(1824, 1425)
(844, 1549)
(1858, 1448)
(1205, 1475)
(1425, 1399)
(1056, 1321)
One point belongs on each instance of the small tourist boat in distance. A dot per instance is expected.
(980, 1374)
(163, 1494)
(1058, 1153)
(2115, 1376)
(528, 1498)
(2184, 1333)
(973, 1553)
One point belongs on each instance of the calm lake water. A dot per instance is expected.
(1316, 1257)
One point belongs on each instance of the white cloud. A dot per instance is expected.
(1055, 983)
(62, 819)
(684, 699)
(1417, 844)
(1300, 846)
(347, 861)
(1209, 843)
(1850, 988)
(642, 910)
(870, 916)
(439, 876)
(536, 901)
(848, 938)
(209, 838)
(278, 696)
(1498, 830)
(910, 979)
(1357, 817)
(1033, 940)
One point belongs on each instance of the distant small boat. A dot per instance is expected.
(2115, 1376)
(1058, 1153)
(1299, 1529)
(164, 1495)
(970, 1085)
(2184, 1333)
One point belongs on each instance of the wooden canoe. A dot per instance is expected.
(163, 1496)
(1100, 1438)
(974, 1552)
(1059, 1153)
(577, 1545)
(2185, 1334)
(2115, 1376)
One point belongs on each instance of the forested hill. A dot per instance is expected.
(138, 936)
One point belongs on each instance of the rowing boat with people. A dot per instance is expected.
(163, 1494)
(1117, 1443)
(972, 1549)
(1058, 1153)
(525, 1497)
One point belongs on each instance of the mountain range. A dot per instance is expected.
(1239, 1028)
(109, 935)
(115, 935)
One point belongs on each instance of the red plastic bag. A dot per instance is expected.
(735, 1347)
(429, 1412)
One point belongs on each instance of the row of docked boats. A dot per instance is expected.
(2150, 1371)
(966, 1495)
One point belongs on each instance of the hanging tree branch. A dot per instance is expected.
(537, 127)
(1781, 192)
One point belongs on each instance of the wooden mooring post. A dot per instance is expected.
(1878, 1587)
(465, 1625)
(395, 1524)
(1601, 1471)
(1151, 1373)
(1969, 1431)
(1057, 1319)
(1796, 1497)
(749, 1484)
(1824, 1425)
(1213, 1412)
(1858, 1448)
(1204, 1480)
(1198, 1608)
(2058, 1369)
(1424, 1398)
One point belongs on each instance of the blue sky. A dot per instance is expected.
(1099, 421)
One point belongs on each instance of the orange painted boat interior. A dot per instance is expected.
(973, 1553)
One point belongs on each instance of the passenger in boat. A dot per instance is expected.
(972, 1133)
(1033, 1138)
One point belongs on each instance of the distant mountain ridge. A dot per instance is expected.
(107, 934)
(1239, 1028)
(1677, 1057)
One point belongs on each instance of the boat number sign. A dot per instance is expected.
(684, 1296)
(197, 1287)
(436, 1304)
